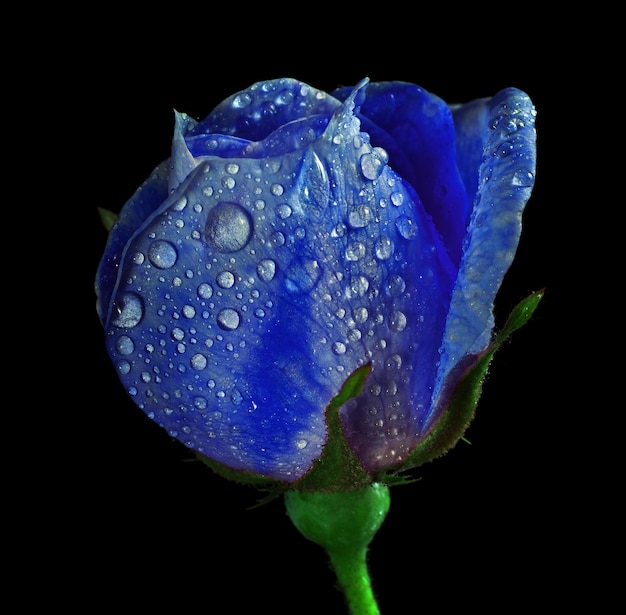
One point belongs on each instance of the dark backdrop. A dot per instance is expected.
(139, 526)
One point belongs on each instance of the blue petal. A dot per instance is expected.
(248, 296)
(140, 206)
(496, 141)
(254, 113)
(422, 151)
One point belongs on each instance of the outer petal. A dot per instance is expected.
(497, 154)
(259, 285)
(140, 206)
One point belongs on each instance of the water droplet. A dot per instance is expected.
(180, 204)
(200, 402)
(228, 319)
(397, 321)
(360, 314)
(283, 211)
(339, 230)
(123, 367)
(124, 345)
(359, 216)
(162, 254)
(339, 348)
(523, 178)
(397, 198)
(395, 285)
(406, 227)
(372, 163)
(189, 311)
(504, 149)
(266, 269)
(394, 362)
(228, 227)
(225, 279)
(355, 251)
(198, 361)
(127, 310)
(383, 248)
(359, 285)
(277, 238)
(205, 291)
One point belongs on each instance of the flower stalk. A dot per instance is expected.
(344, 524)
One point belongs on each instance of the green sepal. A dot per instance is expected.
(273, 488)
(459, 413)
(338, 468)
(107, 218)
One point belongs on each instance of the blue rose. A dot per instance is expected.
(296, 238)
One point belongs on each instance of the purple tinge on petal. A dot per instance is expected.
(417, 129)
(497, 145)
(260, 284)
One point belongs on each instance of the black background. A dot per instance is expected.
(125, 516)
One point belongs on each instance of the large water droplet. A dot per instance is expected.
(225, 279)
(124, 345)
(266, 269)
(359, 216)
(406, 227)
(383, 248)
(162, 254)
(397, 321)
(198, 361)
(228, 319)
(127, 310)
(373, 163)
(228, 227)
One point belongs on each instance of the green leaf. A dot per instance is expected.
(107, 218)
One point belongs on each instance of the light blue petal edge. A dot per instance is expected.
(505, 181)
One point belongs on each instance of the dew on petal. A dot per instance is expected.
(383, 248)
(228, 319)
(198, 361)
(228, 227)
(359, 216)
(397, 321)
(372, 163)
(162, 254)
(395, 285)
(205, 291)
(124, 345)
(127, 310)
(406, 227)
(266, 269)
(225, 279)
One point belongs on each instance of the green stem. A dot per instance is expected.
(344, 523)
(354, 581)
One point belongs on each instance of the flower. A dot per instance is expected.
(295, 239)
